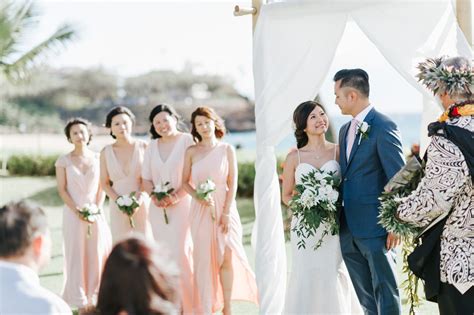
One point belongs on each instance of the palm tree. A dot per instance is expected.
(17, 21)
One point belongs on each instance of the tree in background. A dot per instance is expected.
(18, 20)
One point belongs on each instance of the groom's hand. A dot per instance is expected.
(393, 240)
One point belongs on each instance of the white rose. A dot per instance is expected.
(318, 176)
(307, 198)
(127, 201)
(158, 188)
(93, 209)
(91, 218)
(333, 195)
(211, 185)
(120, 201)
(364, 127)
(322, 193)
(201, 187)
(316, 199)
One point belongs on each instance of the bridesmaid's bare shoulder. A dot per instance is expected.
(229, 147)
(192, 149)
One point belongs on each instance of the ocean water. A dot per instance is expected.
(408, 124)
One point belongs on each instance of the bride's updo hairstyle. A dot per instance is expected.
(300, 117)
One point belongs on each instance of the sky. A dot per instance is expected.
(134, 37)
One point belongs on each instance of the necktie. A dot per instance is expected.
(351, 137)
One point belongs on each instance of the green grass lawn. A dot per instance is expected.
(43, 191)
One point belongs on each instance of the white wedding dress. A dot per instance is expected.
(319, 282)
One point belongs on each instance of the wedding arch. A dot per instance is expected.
(294, 46)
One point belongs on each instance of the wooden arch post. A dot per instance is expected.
(254, 10)
(464, 17)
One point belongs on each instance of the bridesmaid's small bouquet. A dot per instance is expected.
(127, 204)
(203, 192)
(161, 191)
(315, 202)
(89, 212)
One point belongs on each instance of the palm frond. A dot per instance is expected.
(18, 21)
(20, 68)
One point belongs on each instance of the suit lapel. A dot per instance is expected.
(368, 119)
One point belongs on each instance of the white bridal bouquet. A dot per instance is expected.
(89, 212)
(127, 204)
(161, 191)
(203, 192)
(315, 203)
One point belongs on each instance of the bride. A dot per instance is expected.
(318, 282)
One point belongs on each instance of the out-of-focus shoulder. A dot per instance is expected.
(62, 161)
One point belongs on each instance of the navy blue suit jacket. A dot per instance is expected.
(370, 165)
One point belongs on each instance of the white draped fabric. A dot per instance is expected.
(294, 46)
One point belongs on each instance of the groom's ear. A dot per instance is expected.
(352, 95)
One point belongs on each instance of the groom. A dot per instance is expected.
(370, 154)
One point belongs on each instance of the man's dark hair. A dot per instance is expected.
(355, 78)
(20, 223)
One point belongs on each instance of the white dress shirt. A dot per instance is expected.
(21, 293)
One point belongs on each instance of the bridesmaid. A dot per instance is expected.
(120, 173)
(221, 270)
(163, 162)
(77, 175)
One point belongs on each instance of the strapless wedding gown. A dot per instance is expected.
(318, 281)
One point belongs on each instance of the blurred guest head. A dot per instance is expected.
(24, 236)
(138, 279)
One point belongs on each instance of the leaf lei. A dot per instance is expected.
(457, 110)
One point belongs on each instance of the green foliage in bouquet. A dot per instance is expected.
(316, 202)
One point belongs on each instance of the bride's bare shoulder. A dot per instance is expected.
(291, 158)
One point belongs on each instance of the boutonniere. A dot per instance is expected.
(363, 129)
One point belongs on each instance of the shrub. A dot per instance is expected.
(246, 179)
(30, 165)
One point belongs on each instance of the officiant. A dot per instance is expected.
(447, 186)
